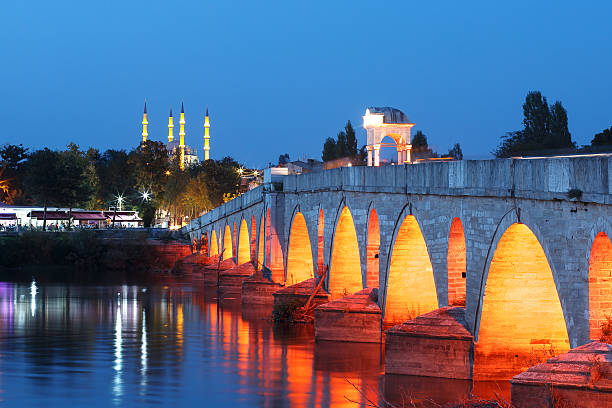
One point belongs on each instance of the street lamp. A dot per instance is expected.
(120, 201)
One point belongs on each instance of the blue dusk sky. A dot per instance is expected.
(280, 77)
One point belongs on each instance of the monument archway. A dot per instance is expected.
(380, 122)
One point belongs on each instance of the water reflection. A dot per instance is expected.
(177, 345)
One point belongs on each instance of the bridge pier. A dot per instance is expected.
(214, 268)
(257, 290)
(354, 318)
(230, 280)
(299, 294)
(436, 344)
(580, 378)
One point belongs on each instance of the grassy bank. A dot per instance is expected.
(81, 256)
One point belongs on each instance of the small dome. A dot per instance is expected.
(391, 115)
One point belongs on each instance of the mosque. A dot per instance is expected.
(187, 155)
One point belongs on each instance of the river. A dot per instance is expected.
(177, 345)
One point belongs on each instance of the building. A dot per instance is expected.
(15, 218)
(187, 155)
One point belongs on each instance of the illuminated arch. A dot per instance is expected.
(213, 248)
(227, 243)
(345, 270)
(204, 243)
(253, 235)
(320, 243)
(600, 284)
(267, 239)
(299, 252)
(411, 290)
(522, 320)
(244, 243)
(234, 239)
(372, 250)
(456, 264)
(260, 249)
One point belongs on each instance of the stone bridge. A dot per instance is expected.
(521, 243)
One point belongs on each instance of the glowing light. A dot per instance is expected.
(143, 349)
(33, 291)
(345, 268)
(145, 195)
(168, 172)
(372, 119)
(117, 380)
(411, 289)
(119, 199)
(299, 257)
(521, 321)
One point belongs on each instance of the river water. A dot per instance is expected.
(177, 345)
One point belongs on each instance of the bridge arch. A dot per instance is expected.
(521, 319)
(260, 243)
(227, 251)
(410, 288)
(204, 243)
(456, 264)
(213, 248)
(320, 242)
(372, 248)
(253, 235)
(600, 284)
(345, 277)
(235, 241)
(244, 243)
(299, 264)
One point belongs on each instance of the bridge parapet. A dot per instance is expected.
(233, 206)
(547, 178)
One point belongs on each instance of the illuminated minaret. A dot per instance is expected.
(170, 127)
(206, 136)
(182, 137)
(144, 124)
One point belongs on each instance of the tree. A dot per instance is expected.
(12, 162)
(543, 128)
(351, 139)
(150, 163)
(283, 158)
(341, 145)
(345, 144)
(196, 198)
(455, 152)
(419, 142)
(42, 179)
(115, 174)
(536, 118)
(603, 138)
(77, 178)
(222, 177)
(559, 133)
(330, 150)
(175, 186)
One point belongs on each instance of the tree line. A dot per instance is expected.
(545, 132)
(147, 179)
(345, 145)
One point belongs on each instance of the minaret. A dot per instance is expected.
(182, 137)
(170, 127)
(144, 124)
(206, 136)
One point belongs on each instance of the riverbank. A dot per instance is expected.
(88, 256)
